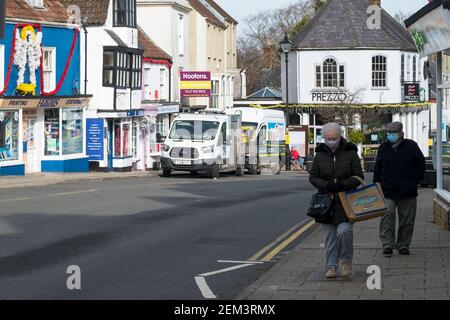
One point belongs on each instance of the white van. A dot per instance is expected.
(264, 133)
(204, 142)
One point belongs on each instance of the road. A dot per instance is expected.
(147, 238)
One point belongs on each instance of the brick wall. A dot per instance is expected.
(441, 213)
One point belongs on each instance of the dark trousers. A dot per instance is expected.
(406, 209)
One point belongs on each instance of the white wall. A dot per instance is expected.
(159, 19)
(154, 82)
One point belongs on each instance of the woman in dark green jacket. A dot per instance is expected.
(335, 163)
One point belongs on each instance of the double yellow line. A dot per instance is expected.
(281, 242)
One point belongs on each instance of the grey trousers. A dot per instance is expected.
(338, 243)
(406, 209)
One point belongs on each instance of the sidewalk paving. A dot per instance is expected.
(42, 179)
(425, 274)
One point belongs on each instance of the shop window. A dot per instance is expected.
(379, 72)
(9, 135)
(49, 68)
(125, 13)
(51, 123)
(122, 139)
(72, 131)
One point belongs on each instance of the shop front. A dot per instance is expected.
(42, 135)
(158, 118)
(430, 27)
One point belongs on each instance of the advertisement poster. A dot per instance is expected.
(94, 139)
(195, 84)
(276, 131)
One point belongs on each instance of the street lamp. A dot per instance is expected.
(286, 46)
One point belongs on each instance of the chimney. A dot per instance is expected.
(376, 2)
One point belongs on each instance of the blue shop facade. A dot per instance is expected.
(42, 114)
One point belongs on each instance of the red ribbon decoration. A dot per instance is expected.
(155, 61)
(11, 61)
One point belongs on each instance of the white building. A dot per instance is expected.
(336, 58)
(167, 24)
(114, 73)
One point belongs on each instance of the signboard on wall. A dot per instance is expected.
(195, 84)
(412, 92)
(94, 139)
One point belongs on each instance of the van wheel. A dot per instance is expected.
(253, 169)
(167, 173)
(239, 171)
(215, 173)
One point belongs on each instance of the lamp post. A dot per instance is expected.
(286, 46)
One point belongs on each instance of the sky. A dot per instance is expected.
(240, 9)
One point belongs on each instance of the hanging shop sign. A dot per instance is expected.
(44, 103)
(94, 139)
(412, 92)
(195, 84)
(328, 96)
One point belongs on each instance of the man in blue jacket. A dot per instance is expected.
(399, 167)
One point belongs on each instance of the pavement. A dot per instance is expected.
(425, 274)
(44, 179)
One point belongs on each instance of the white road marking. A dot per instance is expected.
(226, 270)
(232, 261)
(204, 288)
(49, 195)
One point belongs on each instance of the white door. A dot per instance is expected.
(32, 158)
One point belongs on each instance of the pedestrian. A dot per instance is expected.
(335, 163)
(295, 157)
(399, 167)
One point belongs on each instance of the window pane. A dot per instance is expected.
(72, 131)
(126, 140)
(108, 58)
(51, 133)
(9, 135)
(108, 77)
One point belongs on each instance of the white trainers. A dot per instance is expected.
(331, 273)
(346, 269)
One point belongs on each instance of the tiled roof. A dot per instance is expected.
(200, 7)
(52, 11)
(342, 24)
(151, 50)
(93, 12)
(220, 10)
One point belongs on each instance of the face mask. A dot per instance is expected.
(393, 137)
(333, 144)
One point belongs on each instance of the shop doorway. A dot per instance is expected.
(30, 145)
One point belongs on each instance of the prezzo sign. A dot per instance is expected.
(195, 84)
(329, 96)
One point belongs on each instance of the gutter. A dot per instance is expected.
(55, 24)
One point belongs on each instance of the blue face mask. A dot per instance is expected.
(393, 137)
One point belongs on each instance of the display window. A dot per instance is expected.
(52, 132)
(9, 135)
(72, 131)
(122, 139)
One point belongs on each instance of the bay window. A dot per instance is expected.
(122, 68)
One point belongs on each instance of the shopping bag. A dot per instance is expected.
(365, 203)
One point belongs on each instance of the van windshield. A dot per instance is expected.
(194, 130)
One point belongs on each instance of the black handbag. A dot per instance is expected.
(320, 207)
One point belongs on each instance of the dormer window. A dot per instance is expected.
(125, 13)
(36, 3)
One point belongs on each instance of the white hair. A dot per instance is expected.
(331, 126)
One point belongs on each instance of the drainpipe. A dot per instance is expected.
(86, 59)
(170, 82)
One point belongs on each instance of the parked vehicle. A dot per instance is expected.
(204, 142)
(264, 135)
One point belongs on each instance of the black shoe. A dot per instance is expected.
(387, 252)
(404, 252)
